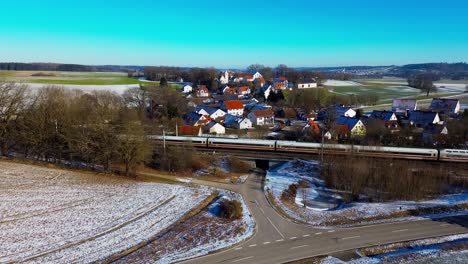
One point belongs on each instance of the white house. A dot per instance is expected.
(262, 117)
(215, 128)
(234, 107)
(257, 75)
(244, 123)
(344, 111)
(187, 89)
(224, 79)
(307, 83)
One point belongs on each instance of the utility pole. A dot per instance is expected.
(321, 152)
(164, 142)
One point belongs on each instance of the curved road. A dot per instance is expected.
(279, 240)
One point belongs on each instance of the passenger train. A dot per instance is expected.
(452, 155)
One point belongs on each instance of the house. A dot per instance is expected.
(262, 117)
(224, 78)
(229, 90)
(344, 111)
(280, 83)
(403, 105)
(257, 75)
(434, 134)
(214, 128)
(234, 107)
(213, 113)
(446, 106)
(355, 126)
(187, 89)
(202, 91)
(307, 83)
(386, 118)
(237, 122)
(244, 90)
(194, 119)
(423, 118)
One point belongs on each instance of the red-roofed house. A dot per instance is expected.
(244, 90)
(203, 91)
(262, 117)
(234, 107)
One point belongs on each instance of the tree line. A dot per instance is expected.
(98, 130)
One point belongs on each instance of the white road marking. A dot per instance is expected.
(306, 235)
(346, 238)
(261, 209)
(299, 247)
(277, 230)
(319, 233)
(266, 243)
(253, 245)
(243, 259)
(331, 231)
(280, 240)
(239, 248)
(401, 230)
(293, 238)
(445, 225)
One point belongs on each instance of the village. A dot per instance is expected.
(245, 105)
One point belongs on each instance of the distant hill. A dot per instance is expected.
(15, 66)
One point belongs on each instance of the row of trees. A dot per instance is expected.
(380, 180)
(423, 82)
(98, 129)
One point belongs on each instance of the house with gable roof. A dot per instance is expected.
(233, 107)
(355, 126)
(262, 117)
(445, 105)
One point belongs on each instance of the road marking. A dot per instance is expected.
(239, 248)
(253, 245)
(243, 259)
(401, 230)
(319, 233)
(261, 209)
(280, 240)
(306, 235)
(293, 238)
(299, 247)
(346, 238)
(445, 225)
(331, 231)
(266, 243)
(277, 230)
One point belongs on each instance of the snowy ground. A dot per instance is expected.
(57, 216)
(119, 89)
(449, 249)
(341, 83)
(321, 202)
(204, 233)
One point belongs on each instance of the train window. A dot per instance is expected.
(449, 151)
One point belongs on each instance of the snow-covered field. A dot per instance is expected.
(204, 233)
(341, 83)
(321, 202)
(449, 249)
(57, 216)
(119, 89)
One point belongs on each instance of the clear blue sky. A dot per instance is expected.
(234, 33)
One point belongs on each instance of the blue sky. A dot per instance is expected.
(234, 33)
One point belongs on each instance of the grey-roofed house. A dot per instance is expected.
(423, 118)
(445, 105)
(403, 105)
(355, 125)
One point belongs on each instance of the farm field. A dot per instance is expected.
(50, 215)
(70, 78)
(383, 92)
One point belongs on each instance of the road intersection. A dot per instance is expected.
(279, 240)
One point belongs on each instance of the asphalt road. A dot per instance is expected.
(279, 240)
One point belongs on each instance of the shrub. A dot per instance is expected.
(230, 209)
(237, 165)
(290, 193)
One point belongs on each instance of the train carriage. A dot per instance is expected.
(246, 144)
(458, 155)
